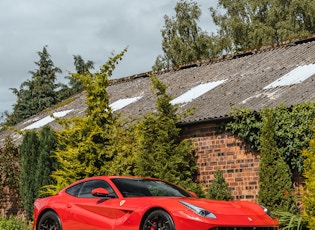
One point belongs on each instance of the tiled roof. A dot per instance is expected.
(247, 80)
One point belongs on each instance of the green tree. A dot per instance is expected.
(161, 153)
(81, 67)
(308, 198)
(219, 188)
(183, 41)
(247, 24)
(46, 162)
(10, 170)
(39, 93)
(124, 150)
(86, 143)
(29, 149)
(275, 185)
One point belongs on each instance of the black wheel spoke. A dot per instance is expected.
(49, 221)
(158, 220)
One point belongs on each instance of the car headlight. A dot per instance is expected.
(200, 211)
(267, 212)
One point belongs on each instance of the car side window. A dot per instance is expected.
(74, 190)
(88, 186)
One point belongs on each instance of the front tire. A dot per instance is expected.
(49, 221)
(158, 220)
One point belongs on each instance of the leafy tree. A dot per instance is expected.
(219, 188)
(29, 149)
(183, 41)
(161, 153)
(308, 198)
(46, 162)
(85, 145)
(39, 93)
(249, 24)
(275, 185)
(10, 169)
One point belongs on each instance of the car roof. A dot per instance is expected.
(105, 177)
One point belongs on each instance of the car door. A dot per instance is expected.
(88, 212)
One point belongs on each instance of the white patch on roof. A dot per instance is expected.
(47, 120)
(196, 92)
(295, 76)
(121, 103)
(271, 95)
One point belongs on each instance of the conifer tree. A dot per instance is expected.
(81, 67)
(219, 188)
(275, 185)
(124, 150)
(29, 149)
(86, 143)
(46, 163)
(161, 153)
(308, 198)
(38, 93)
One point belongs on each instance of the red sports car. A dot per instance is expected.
(131, 203)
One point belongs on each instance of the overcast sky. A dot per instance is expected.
(92, 29)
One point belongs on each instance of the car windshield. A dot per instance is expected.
(135, 187)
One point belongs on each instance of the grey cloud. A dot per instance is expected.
(92, 29)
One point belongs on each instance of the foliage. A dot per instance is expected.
(46, 162)
(249, 24)
(13, 223)
(10, 170)
(85, 145)
(39, 93)
(81, 67)
(28, 185)
(183, 41)
(161, 153)
(37, 159)
(308, 198)
(275, 185)
(247, 125)
(219, 188)
(242, 25)
(124, 151)
(290, 221)
(293, 127)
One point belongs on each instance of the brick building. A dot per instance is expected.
(281, 74)
(221, 150)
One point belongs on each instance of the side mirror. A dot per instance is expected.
(100, 192)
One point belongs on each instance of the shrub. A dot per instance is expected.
(219, 188)
(291, 221)
(13, 223)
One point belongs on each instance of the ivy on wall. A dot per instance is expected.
(293, 125)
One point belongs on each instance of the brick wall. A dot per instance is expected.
(10, 203)
(218, 149)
